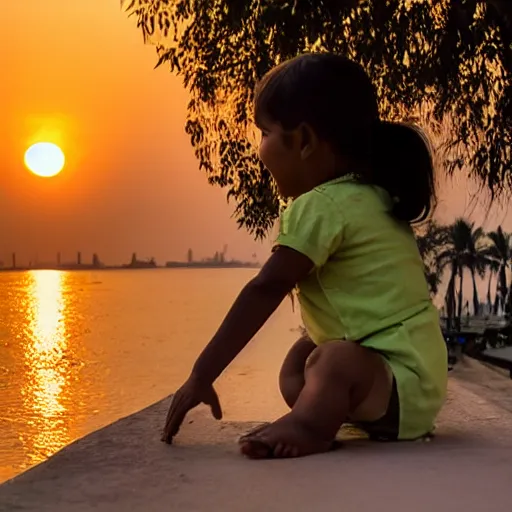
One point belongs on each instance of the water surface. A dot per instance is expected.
(79, 350)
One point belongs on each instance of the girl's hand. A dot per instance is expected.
(257, 301)
(190, 395)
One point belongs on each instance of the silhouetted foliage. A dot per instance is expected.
(448, 62)
(499, 256)
(431, 240)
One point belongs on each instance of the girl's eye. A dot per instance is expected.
(264, 133)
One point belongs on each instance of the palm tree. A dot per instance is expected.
(492, 268)
(499, 255)
(430, 242)
(477, 263)
(463, 250)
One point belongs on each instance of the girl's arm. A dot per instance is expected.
(255, 304)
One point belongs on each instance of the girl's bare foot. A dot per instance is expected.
(284, 438)
(253, 432)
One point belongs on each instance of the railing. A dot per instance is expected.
(502, 358)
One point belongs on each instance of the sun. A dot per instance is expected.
(45, 159)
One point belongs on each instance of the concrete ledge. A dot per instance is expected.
(125, 467)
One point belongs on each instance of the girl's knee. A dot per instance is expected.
(345, 358)
(295, 360)
(291, 376)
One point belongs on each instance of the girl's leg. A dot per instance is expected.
(291, 376)
(339, 378)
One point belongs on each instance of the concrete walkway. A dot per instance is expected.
(125, 467)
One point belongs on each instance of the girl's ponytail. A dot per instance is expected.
(402, 165)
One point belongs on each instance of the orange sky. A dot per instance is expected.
(78, 74)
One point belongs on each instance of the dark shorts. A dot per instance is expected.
(387, 428)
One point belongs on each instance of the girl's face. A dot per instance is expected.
(297, 159)
(281, 155)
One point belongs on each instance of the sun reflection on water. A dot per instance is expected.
(47, 368)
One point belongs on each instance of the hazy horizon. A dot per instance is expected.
(86, 258)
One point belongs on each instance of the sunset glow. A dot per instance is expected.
(84, 80)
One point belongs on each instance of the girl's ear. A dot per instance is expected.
(308, 140)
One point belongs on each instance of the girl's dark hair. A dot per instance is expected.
(336, 98)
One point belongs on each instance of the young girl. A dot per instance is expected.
(374, 354)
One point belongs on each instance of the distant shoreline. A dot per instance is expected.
(173, 265)
(211, 264)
